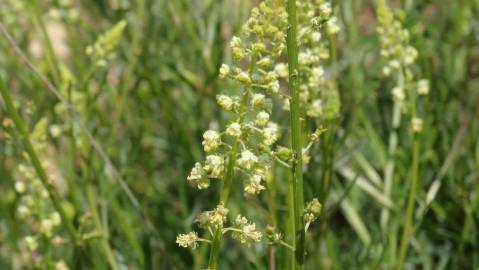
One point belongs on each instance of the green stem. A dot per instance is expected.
(392, 145)
(296, 136)
(215, 246)
(24, 136)
(105, 246)
(291, 217)
(228, 180)
(408, 226)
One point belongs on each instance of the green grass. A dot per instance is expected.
(113, 145)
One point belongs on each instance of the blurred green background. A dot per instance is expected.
(148, 108)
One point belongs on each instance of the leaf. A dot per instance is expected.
(367, 187)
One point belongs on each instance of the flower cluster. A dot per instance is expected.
(313, 210)
(248, 138)
(102, 51)
(244, 231)
(248, 145)
(400, 56)
(318, 93)
(215, 218)
(65, 11)
(187, 240)
(41, 223)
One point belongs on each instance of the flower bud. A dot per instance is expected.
(225, 102)
(262, 118)
(258, 100)
(422, 87)
(211, 140)
(224, 71)
(398, 93)
(416, 124)
(234, 130)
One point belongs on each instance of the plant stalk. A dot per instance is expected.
(392, 146)
(215, 245)
(408, 225)
(228, 180)
(298, 234)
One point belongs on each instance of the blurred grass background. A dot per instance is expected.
(150, 105)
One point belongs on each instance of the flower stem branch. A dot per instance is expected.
(409, 224)
(228, 179)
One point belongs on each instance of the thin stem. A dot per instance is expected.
(24, 136)
(392, 145)
(291, 217)
(215, 246)
(408, 226)
(228, 180)
(296, 136)
(105, 246)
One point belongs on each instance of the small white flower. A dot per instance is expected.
(315, 109)
(257, 100)
(318, 72)
(410, 55)
(264, 62)
(332, 26)
(56, 219)
(325, 9)
(20, 187)
(198, 177)
(259, 47)
(304, 58)
(282, 70)
(234, 130)
(247, 160)
(224, 71)
(274, 86)
(270, 76)
(398, 93)
(55, 130)
(394, 64)
(211, 140)
(237, 53)
(316, 36)
(187, 240)
(247, 231)
(253, 185)
(243, 77)
(270, 134)
(218, 216)
(214, 165)
(423, 87)
(386, 71)
(61, 265)
(262, 118)
(235, 42)
(31, 243)
(416, 124)
(23, 211)
(46, 227)
(225, 102)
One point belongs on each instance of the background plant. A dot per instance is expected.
(148, 108)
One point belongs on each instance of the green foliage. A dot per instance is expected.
(94, 173)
